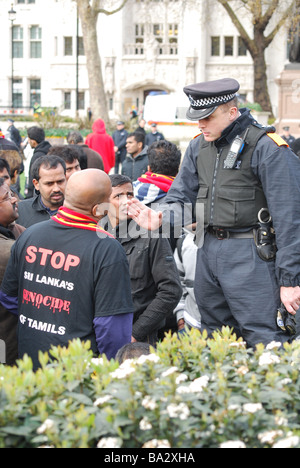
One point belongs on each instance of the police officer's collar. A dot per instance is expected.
(235, 128)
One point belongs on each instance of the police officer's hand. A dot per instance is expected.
(144, 216)
(290, 297)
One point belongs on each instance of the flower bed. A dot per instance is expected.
(193, 392)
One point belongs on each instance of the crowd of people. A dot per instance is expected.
(85, 253)
(70, 275)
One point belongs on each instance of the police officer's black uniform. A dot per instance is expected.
(233, 285)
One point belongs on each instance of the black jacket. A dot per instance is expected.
(31, 211)
(39, 151)
(155, 283)
(135, 167)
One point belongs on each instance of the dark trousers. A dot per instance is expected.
(119, 160)
(235, 288)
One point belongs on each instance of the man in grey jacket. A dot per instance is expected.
(136, 162)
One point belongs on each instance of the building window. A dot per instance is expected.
(228, 46)
(215, 46)
(80, 46)
(81, 100)
(242, 48)
(17, 93)
(173, 39)
(67, 101)
(35, 42)
(158, 32)
(17, 42)
(35, 92)
(68, 42)
(139, 39)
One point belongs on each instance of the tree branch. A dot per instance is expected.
(246, 38)
(288, 12)
(108, 13)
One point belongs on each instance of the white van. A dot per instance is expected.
(168, 111)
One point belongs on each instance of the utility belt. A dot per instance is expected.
(222, 234)
(263, 235)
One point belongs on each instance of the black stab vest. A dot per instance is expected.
(232, 198)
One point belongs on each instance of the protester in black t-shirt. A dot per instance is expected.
(71, 277)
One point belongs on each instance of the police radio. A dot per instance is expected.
(235, 150)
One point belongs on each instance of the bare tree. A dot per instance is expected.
(263, 14)
(88, 11)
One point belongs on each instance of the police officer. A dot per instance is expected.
(234, 169)
(287, 136)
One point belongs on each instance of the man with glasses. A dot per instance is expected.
(9, 232)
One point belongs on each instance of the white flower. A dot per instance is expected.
(145, 424)
(181, 378)
(252, 407)
(148, 357)
(169, 371)
(109, 442)
(235, 444)
(281, 421)
(199, 384)
(236, 344)
(97, 361)
(194, 387)
(154, 443)
(289, 442)
(180, 411)
(243, 370)
(149, 403)
(268, 359)
(273, 345)
(269, 437)
(125, 369)
(100, 401)
(47, 425)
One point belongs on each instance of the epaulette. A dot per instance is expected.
(277, 138)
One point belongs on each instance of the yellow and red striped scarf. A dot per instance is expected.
(70, 218)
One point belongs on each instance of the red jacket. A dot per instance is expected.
(103, 143)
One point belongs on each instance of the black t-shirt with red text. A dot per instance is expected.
(65, 277)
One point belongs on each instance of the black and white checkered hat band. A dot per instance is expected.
(210, 101)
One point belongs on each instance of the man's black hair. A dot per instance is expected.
(4, 165)
(119, 179)
(164, 158)
(49, 162)
(69, 153)
(132, 350)
(138, 136)
(36, 133)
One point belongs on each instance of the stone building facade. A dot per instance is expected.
(150, 45)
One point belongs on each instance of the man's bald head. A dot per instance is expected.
(86, 190)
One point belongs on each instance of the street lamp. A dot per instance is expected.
(12, 16)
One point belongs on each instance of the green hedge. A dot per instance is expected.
(193, 392)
